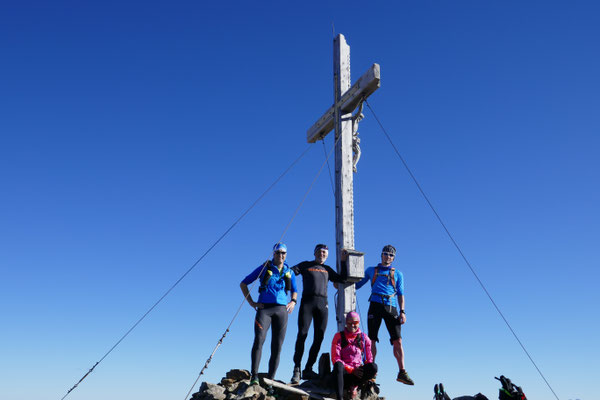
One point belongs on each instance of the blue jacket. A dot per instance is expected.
(381, 287)
(273, 292)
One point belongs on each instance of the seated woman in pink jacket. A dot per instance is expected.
(351, 357)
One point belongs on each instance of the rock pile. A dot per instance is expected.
(236, 386)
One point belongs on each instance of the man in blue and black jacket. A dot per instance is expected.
(272, 307)
(387, 304)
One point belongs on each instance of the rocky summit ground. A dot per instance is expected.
(236, 386)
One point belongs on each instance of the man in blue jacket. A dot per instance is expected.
(272, 308)
(387, 304)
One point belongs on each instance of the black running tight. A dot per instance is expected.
(344, 379)
(274, 315)
(311, 307)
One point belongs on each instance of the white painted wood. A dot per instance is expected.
(364, 87)
(344, 177)
(339, 118)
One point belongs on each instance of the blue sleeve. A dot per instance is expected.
(294, 287)
(253, 275)
(400, 283)
(367, 278)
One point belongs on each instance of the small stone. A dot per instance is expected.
(235, 387)
(230, 385)
(241, 387)
(254, 392)
(238, 374)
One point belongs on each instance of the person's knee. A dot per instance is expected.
(373, 367)
(303, 329)
(259, 337)
(319, 334)
(397, 343)
(370, 370)
(338, 367)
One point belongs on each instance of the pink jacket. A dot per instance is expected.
(351, 356)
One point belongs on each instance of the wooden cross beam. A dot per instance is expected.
(362, 88)
(339, 119)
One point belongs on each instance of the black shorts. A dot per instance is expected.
(377, 312)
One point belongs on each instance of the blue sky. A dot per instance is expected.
(132, 135)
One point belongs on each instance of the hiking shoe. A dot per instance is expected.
(309, 374)
(254, 380)
(404, 378)
(296, 376)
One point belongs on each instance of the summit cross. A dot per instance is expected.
(339, 118)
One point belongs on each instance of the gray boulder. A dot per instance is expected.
(253, 392)
(209, 391)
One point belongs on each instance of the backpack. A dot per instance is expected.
(390, 277)
(391, 281)
(284, 281)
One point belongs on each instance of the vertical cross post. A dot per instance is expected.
(344, 194)
(339, 119)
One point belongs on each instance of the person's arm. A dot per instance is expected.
(336, 348)
(333, 276)
(344, 265)
(248, 297)
(402, 315)
(297, 268)
(292, 304)
(400, 291)
(368, 351)
(366, 279)
(244, 286)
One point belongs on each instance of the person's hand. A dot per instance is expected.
(290, 306)
(358, 372)
(402, 318)
(343, 254)
(255, 305)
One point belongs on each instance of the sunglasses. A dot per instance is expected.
(353, 323)
(280, 252)
(388, 254)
